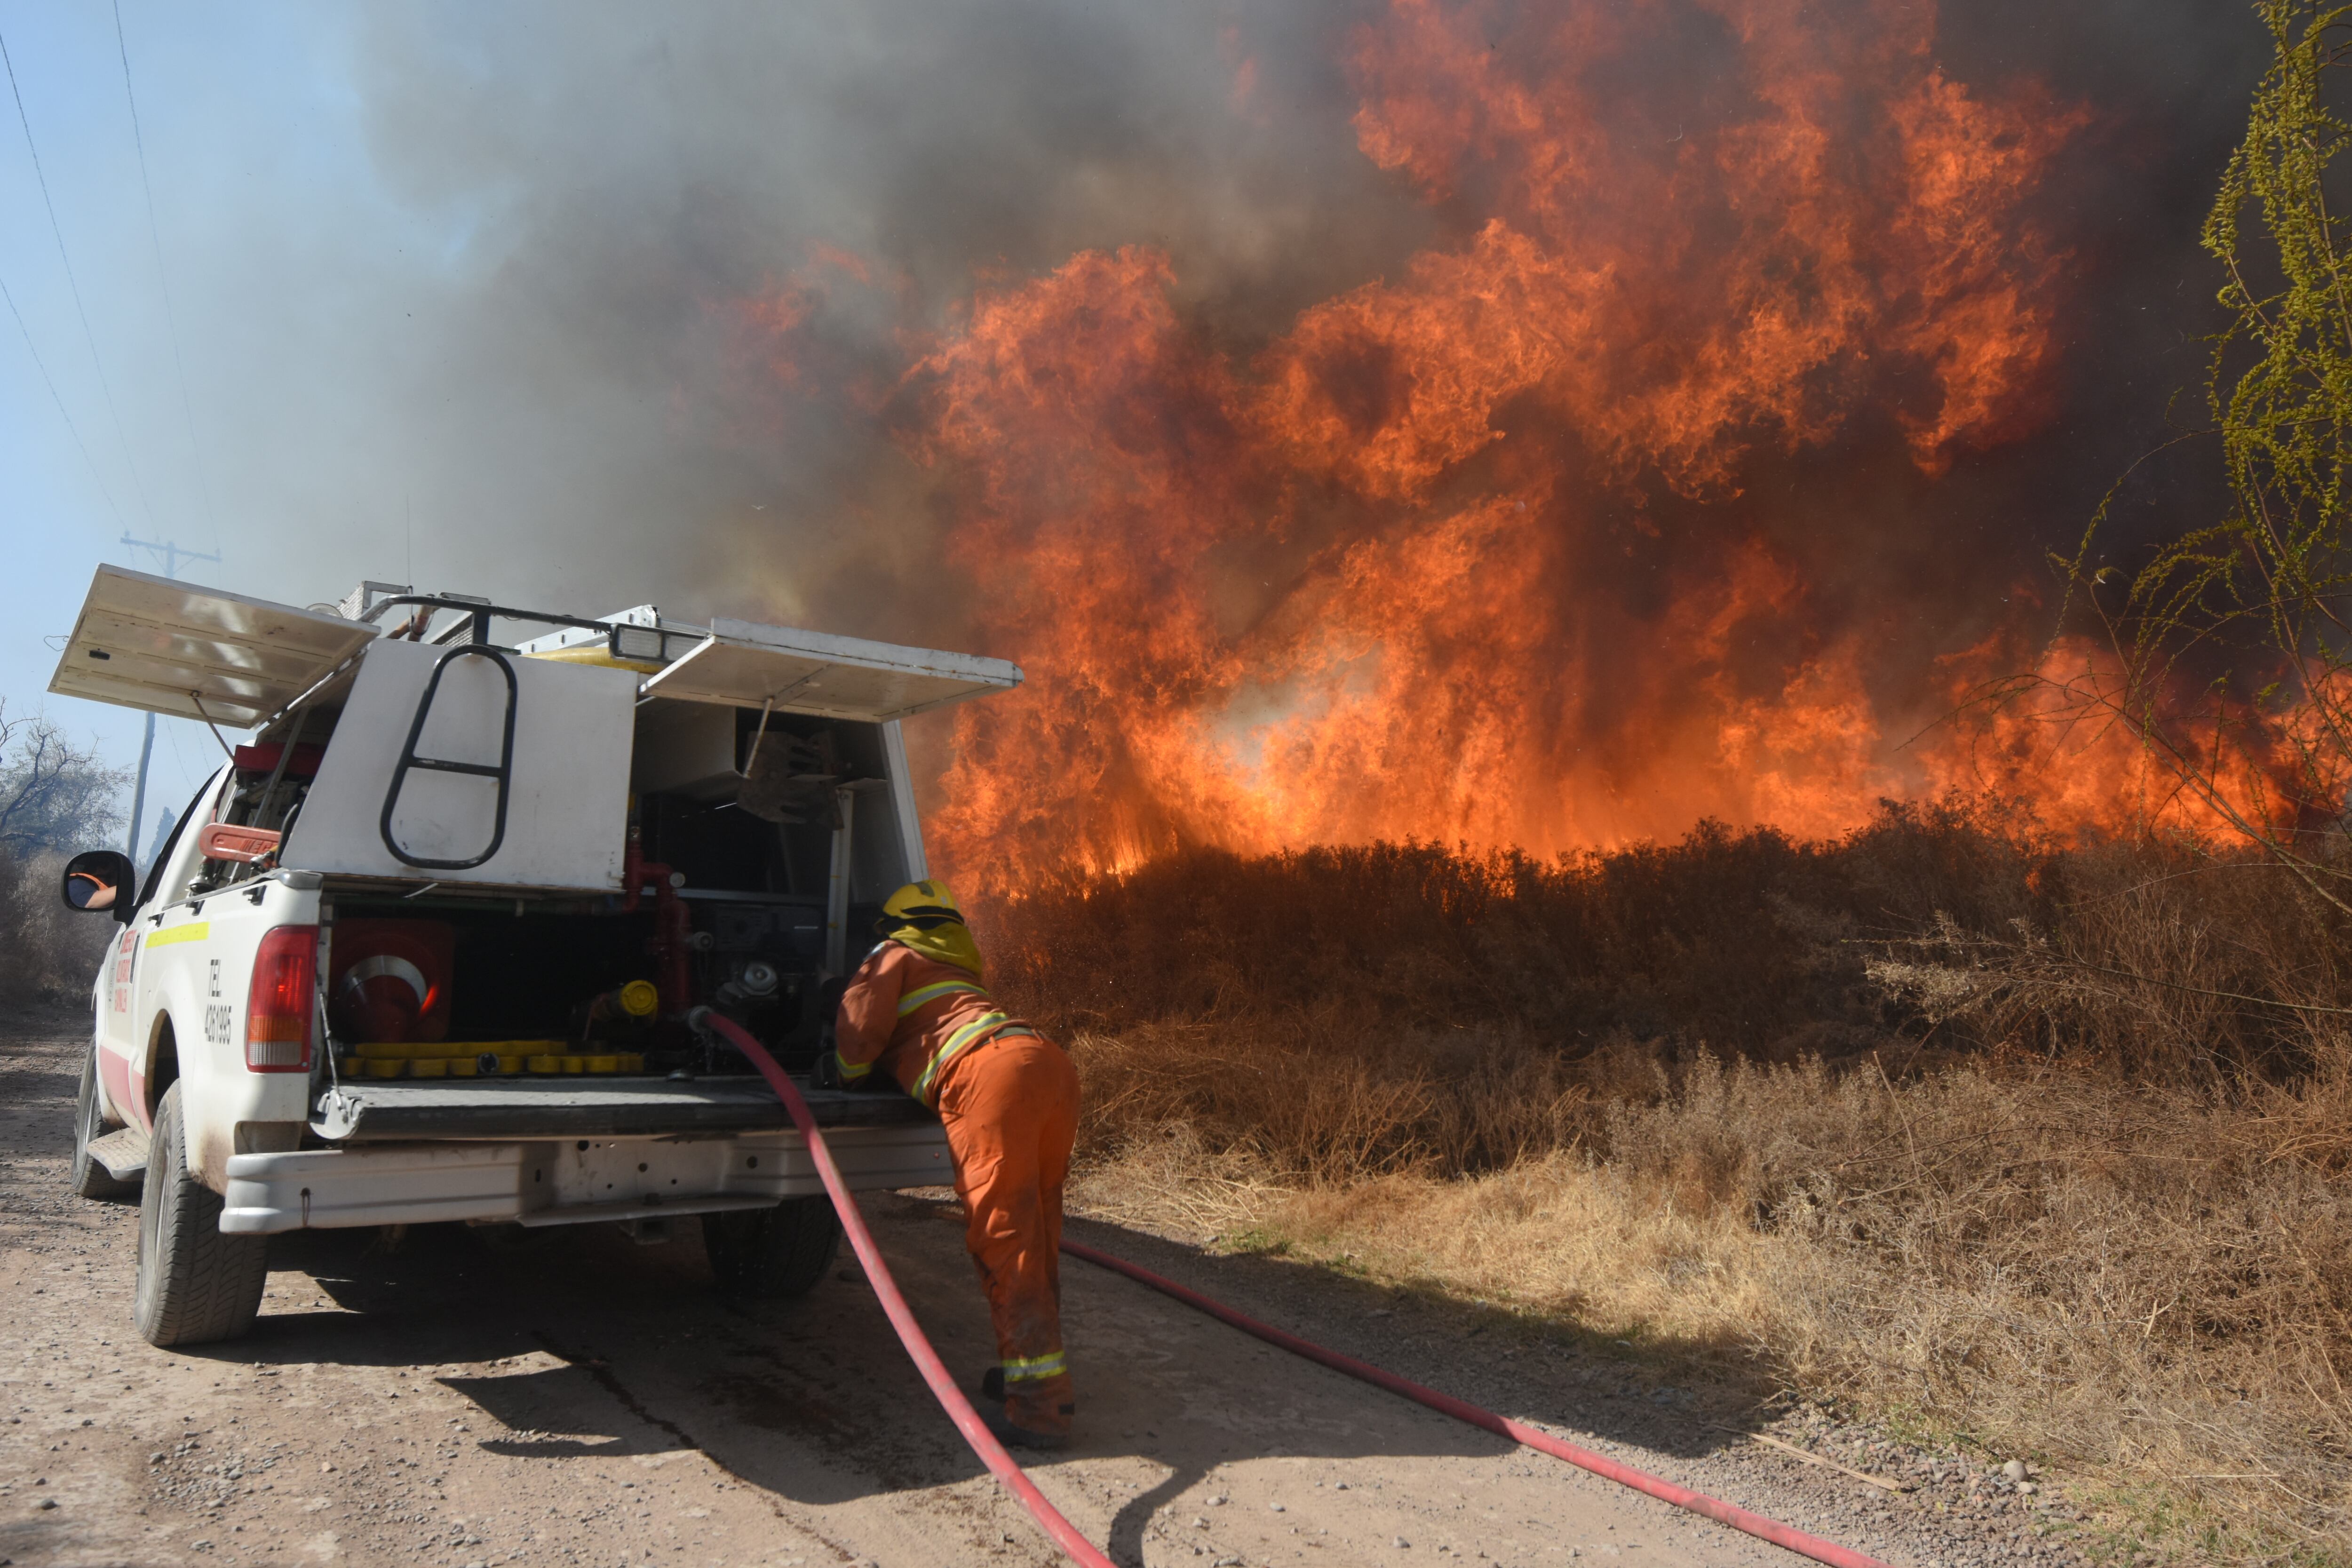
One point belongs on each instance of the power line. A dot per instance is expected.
(57, 231)
(162, 275)
(47, 380)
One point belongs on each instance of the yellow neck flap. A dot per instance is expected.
(949, 941)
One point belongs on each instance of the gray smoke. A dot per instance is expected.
(563, 402)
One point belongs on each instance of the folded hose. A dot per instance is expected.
(1064, 1534)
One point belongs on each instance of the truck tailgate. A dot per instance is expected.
(586, 1108)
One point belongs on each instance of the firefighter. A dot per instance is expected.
(1008, 1099)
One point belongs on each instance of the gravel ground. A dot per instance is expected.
(448, 1398)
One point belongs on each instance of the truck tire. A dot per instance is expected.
(90, 1179)
(772, 1255)
(196, 1284)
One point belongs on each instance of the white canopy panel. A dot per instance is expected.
(745, 664)
(149, 643)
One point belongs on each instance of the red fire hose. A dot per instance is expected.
(1065, 1535)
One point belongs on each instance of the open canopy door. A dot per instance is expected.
(171, 647)
(751, 666)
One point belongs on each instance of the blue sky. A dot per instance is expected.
(263, 186)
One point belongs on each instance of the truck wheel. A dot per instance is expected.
(90, 1179)
(768, 1255)
(196, 1284)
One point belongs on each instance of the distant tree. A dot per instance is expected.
(56, 797)
(54, 792)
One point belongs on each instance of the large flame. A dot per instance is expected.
(1400, 572)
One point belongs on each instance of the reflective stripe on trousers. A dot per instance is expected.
(1052, 1365)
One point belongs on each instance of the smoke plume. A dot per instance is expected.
(1530, 425)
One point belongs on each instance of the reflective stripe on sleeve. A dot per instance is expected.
(851, 1071)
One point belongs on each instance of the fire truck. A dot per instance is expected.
(441, 939)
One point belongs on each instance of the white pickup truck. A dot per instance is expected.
(440, 939)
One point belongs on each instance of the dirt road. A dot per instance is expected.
(579, 1399)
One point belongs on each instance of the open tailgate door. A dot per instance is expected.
(171, 647)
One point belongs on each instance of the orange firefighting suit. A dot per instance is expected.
(1008, 1099)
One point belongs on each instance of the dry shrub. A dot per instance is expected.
(53, 952)
(1747, 943)
(2048, 1146)
(2170, 963)
(1331, 1096)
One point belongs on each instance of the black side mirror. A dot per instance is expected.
(101, 879)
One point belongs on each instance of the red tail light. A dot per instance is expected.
(282, 1008)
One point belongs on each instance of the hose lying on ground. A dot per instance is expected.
(1755, 1524)
(1065, 1534)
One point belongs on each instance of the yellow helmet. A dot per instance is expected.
(925, 915)
(923, 905)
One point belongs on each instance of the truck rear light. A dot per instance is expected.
(281, 1009)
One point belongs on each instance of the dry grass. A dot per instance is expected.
(2015, 1141)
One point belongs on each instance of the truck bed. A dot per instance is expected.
(587, 1108)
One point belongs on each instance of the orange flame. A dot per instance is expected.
(1364, 583)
